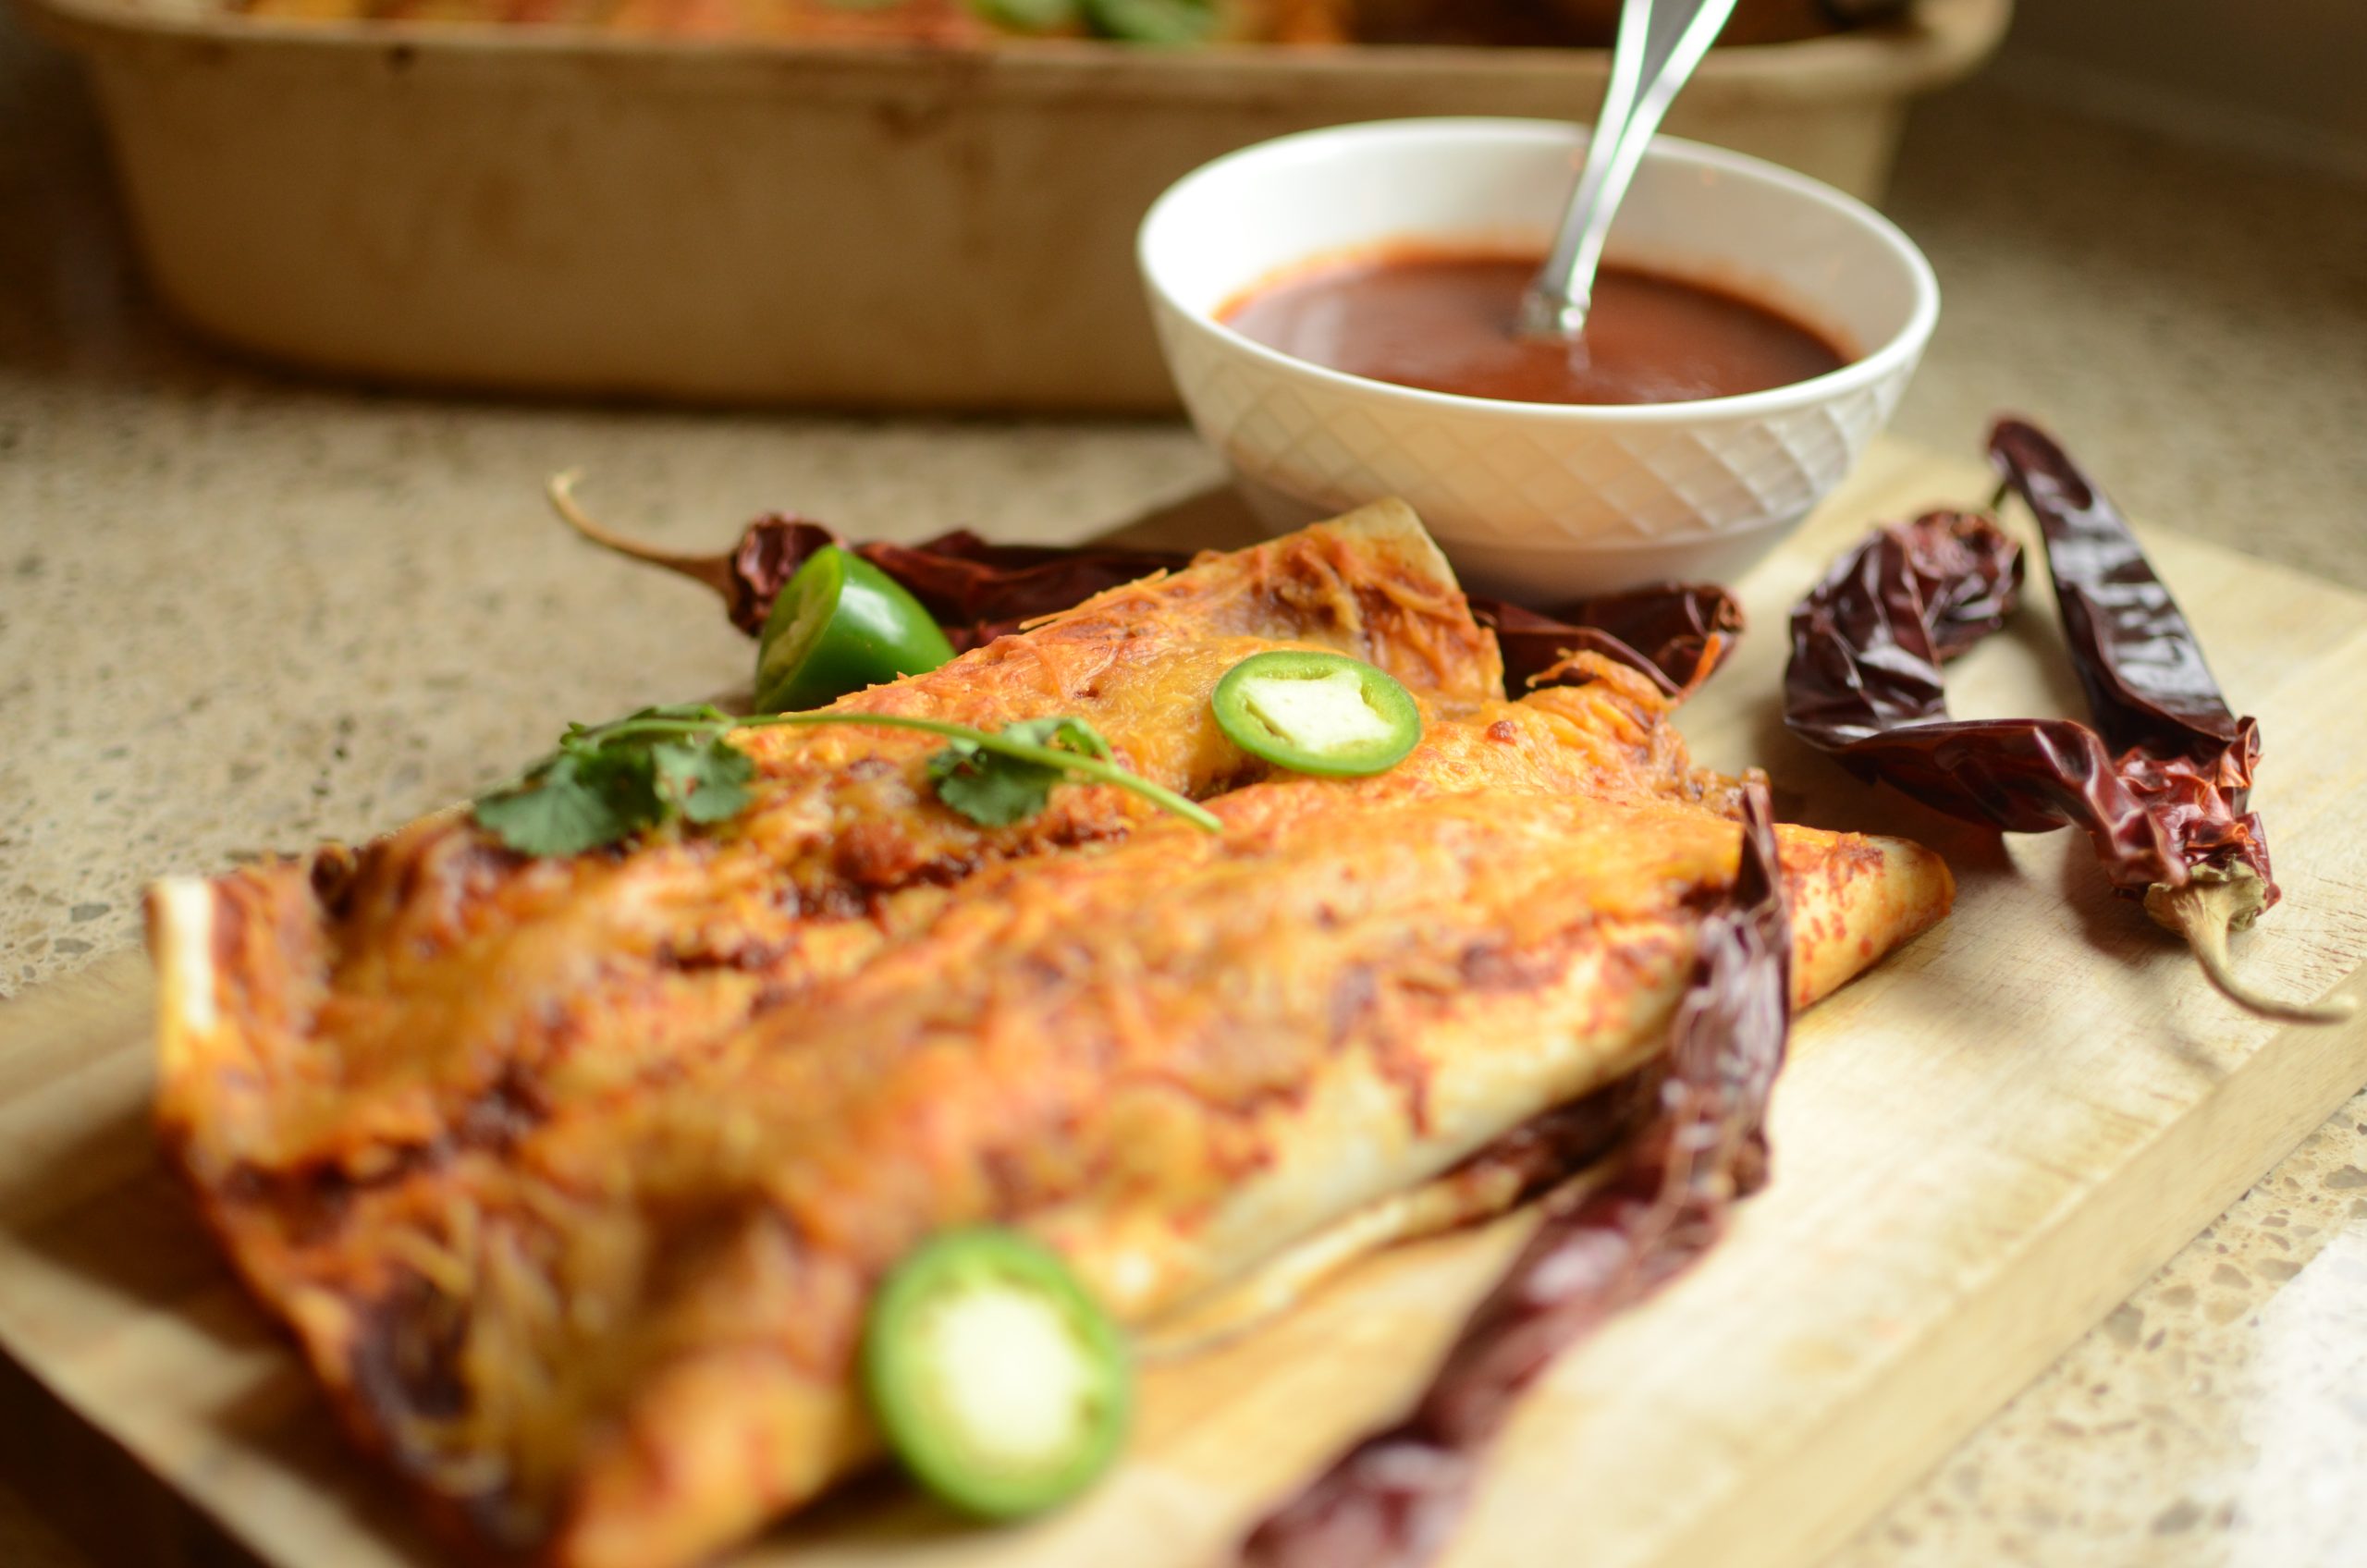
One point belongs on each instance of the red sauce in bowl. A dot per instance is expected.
(1444, 320)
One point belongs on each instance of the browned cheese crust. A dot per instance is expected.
(572, 1178)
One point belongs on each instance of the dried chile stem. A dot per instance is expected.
(748, 577)
(715, 571)
(2204, 911)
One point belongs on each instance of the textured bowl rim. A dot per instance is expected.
(1900, 350)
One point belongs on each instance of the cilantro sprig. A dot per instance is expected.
(993, 787)
(607, 782)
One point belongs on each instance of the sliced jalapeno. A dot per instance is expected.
(998, 1381)
(1318, 712)
(841, 624)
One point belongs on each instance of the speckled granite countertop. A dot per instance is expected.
(237, 613)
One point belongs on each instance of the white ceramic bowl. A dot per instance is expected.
(1538, 500)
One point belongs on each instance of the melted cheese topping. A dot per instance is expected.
(573, 1177)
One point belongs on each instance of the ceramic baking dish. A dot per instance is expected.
(559, 212)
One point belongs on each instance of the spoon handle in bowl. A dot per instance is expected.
(1660, 43)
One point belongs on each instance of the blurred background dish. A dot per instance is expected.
(1552, 24)
(1535, 500)
(599, 212)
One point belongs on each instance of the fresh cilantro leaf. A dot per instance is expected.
(555, 812)
(989, 787)
(626, 777)
(996, 789)
(708, 780)
(608, 781)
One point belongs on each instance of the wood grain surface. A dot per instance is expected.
(1979, 1148)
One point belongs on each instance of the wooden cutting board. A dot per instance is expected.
(1980, 1148)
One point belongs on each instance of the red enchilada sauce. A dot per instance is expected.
(1444, 320)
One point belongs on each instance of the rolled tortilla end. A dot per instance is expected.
(1855, 897)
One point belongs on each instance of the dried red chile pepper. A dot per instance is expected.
(975, 589)
(1391, 1500)
(2161, 783)
(1674, 632)
(979, 590)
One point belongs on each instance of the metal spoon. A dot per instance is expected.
(1660, 43)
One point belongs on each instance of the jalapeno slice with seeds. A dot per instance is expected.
(1318, 712)
(998, 1381)
(841, 624)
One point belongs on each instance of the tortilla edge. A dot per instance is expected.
(1392, 522)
